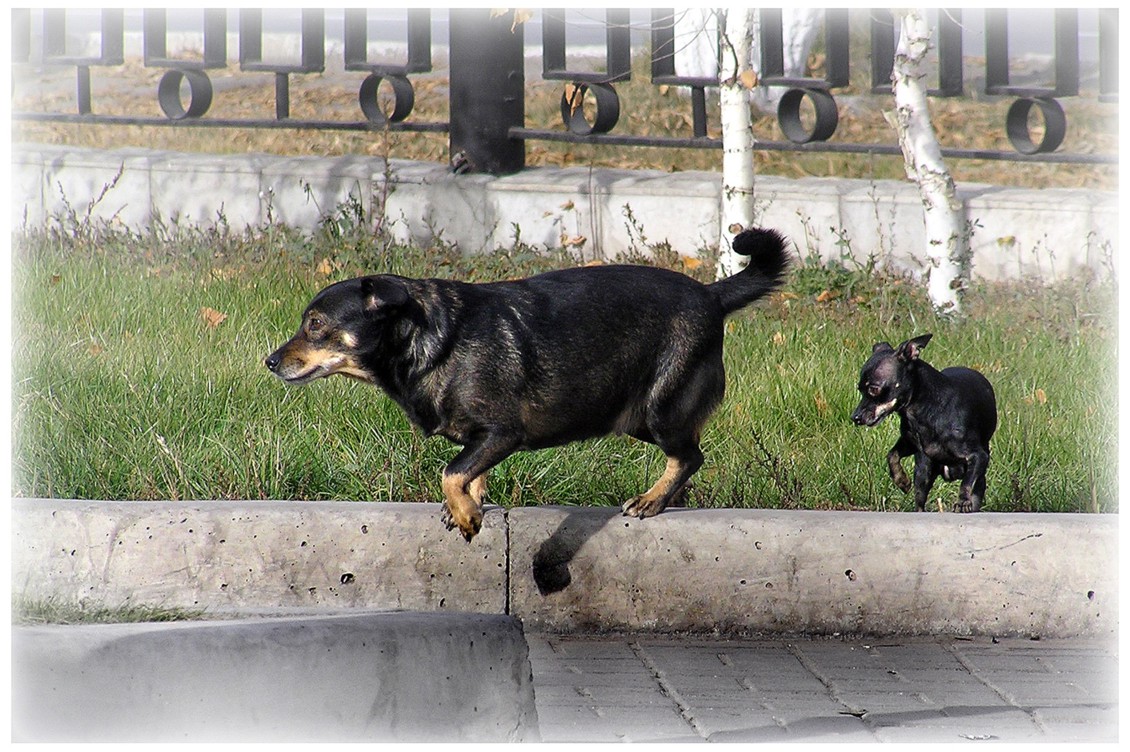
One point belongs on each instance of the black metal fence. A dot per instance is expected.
(486, 121)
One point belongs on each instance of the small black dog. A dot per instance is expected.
(947, 419)
(538, 362)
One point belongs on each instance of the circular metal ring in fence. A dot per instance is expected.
(1020, 133)
(827, 115)
(573, 108)
(404, 99)
(199, 94)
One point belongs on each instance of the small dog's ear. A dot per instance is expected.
(382, 295)
(912, 348)
(881, 347)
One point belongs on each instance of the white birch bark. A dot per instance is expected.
(735, 79)
(945, 241)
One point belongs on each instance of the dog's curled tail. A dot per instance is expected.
(768, 262)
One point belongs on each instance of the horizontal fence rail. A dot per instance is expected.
(486, 118)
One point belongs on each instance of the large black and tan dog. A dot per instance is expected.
(538, 362)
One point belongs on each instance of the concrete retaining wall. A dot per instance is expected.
(578, 569)
(1017, 233)
(367, 677)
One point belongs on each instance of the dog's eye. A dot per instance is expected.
(314, 325)
(874, 391)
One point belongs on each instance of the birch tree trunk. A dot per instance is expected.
(945, 241)
(735, 79)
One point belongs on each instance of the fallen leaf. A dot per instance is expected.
(826, 296)
(325, 268)
(573, 96)
(749, 79)
(821, 405)
(212, 318)
(778, 339)
(521, 15)
(574, 242)
(690, 262)
(56, 279)
(567, 206)
(95, 349)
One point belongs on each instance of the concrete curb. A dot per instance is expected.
(260, 554)
(584, 569)
(819, 572)
(368, 677)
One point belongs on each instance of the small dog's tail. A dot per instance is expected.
(768, 262)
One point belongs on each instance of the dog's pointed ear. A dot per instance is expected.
(912, 348)
(382, 295)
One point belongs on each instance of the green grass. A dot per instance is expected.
(121, 389)
(31, 611)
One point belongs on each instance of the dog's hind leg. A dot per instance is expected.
(679, 470)
(680, 404)
(464, 482)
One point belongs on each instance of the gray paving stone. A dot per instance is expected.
(818, 690)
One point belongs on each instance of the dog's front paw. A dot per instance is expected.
(469, 524)
(966, 506)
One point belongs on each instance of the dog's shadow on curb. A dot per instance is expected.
(552, 558)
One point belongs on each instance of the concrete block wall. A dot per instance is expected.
(1016, 233)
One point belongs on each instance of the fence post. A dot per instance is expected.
(487, 92)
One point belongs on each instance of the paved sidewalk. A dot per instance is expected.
(637, 688)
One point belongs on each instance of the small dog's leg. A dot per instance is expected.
(925, 473)
(973, 484)
(902, 448)
(675, 476)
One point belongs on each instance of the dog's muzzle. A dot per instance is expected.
(871, 415)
